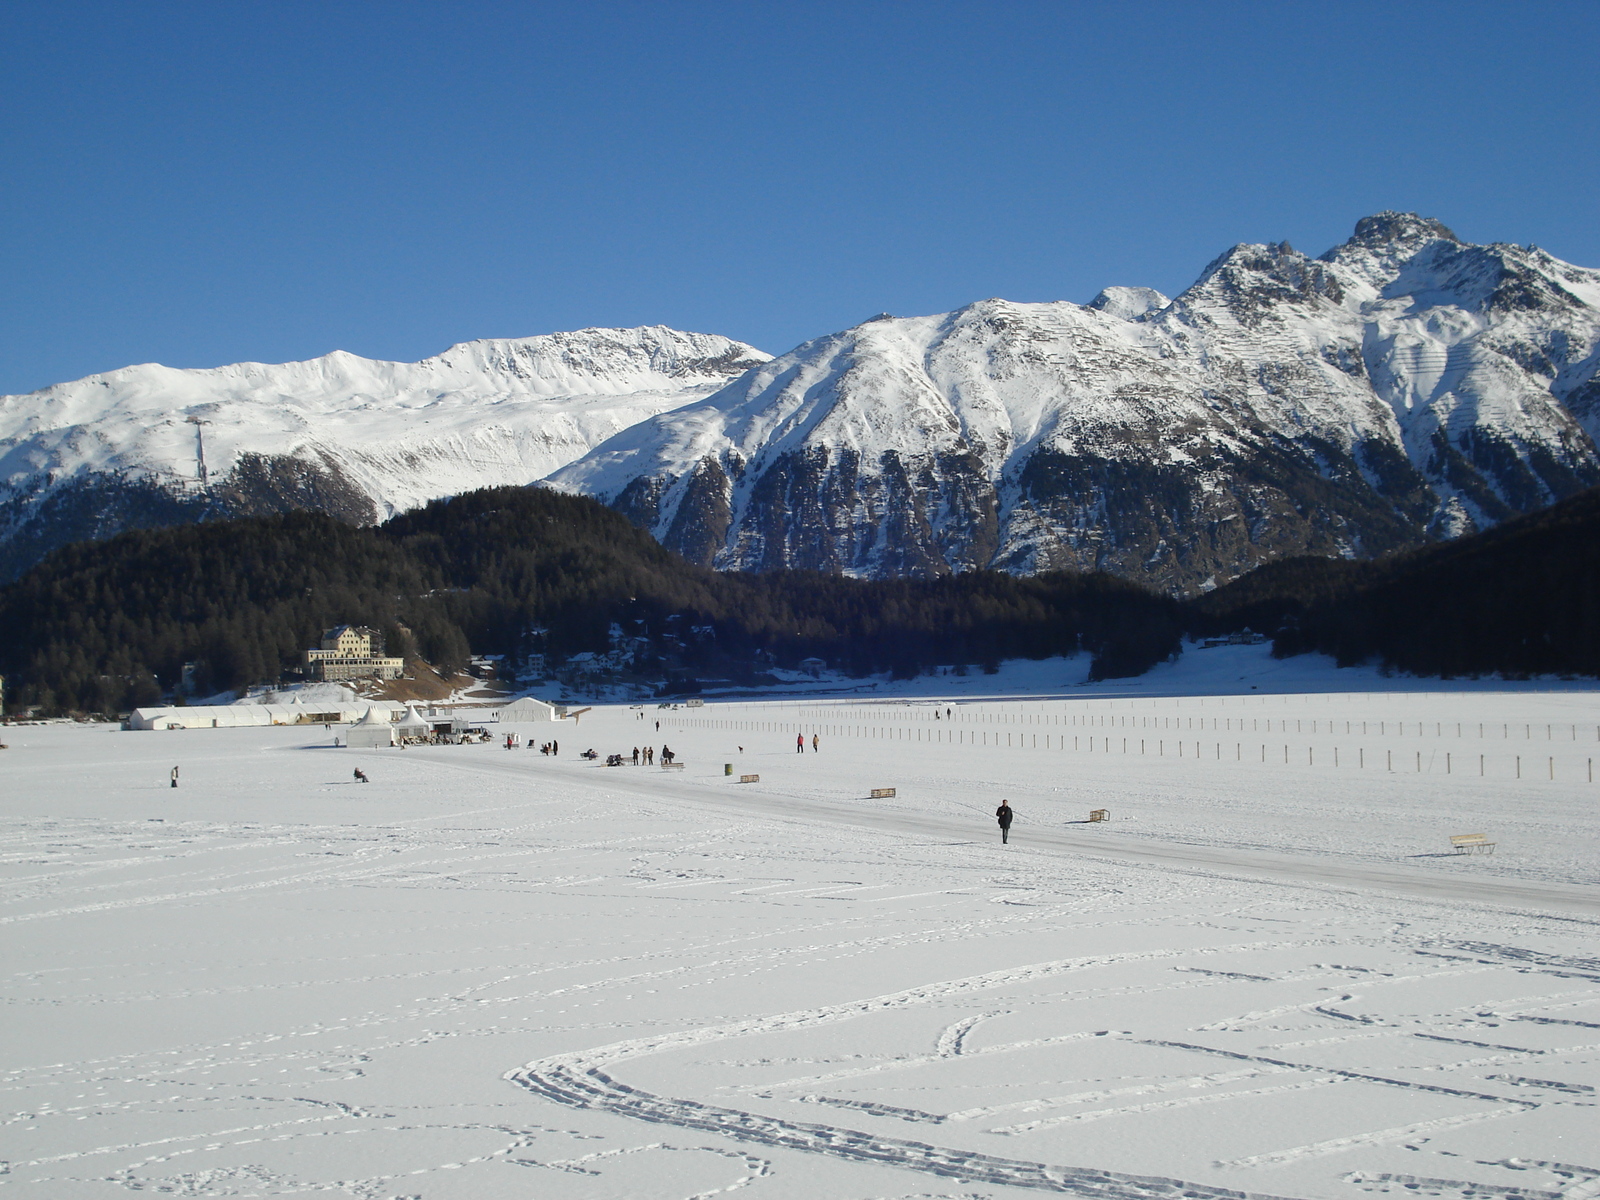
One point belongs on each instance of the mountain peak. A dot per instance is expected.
(1387, 230)
(1128, 303)
(1251, 279)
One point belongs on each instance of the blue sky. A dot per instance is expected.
(207, 183)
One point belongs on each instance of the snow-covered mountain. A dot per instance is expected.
(1403, 386)
(152, 445)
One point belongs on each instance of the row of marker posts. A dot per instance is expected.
(982, 738)
(1001, 718)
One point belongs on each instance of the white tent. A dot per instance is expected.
(234, 716)
(528, 709)
(411, 725)
(369, 732)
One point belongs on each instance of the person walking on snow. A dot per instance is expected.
(813, 743)
(174, 776)
(1003, 815)
(799, 743)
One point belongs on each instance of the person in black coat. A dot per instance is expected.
(1003, 815)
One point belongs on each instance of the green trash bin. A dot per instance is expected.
(727, 768)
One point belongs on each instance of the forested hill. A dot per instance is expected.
(1521, 599)
(102, 627)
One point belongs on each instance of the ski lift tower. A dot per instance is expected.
(199, 446)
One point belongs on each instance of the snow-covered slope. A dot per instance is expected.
(355, 436)
(1403, 386)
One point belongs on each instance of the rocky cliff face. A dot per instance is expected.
(1402, 387)
(151, 445)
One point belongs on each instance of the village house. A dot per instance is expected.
(1245, 637)
(352, 652)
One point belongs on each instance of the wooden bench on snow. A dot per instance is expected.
(883, 794)
(1100, 814)
(749, 779)
(672, 766)
(1471, 843)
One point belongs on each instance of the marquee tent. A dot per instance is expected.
(528, 709)
(370, 732)
(234, 716)
(411, 725)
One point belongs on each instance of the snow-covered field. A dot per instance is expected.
(493, 973)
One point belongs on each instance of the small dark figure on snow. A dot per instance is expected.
(174, 776)
(1003, 815)
(666, 754)
(361, 776)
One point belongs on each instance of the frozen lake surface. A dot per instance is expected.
(492, 973)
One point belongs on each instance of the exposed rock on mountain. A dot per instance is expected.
(1402, 387)
(149, 445)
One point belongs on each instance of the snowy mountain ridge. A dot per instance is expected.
(1403, 386)
(153, 445)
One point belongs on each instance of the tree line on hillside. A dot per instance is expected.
(1520, 599)
(104, 627)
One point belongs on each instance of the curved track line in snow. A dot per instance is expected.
(594, 1089)
(1344, 1073)
(577, 1080)
(1278, 1158)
